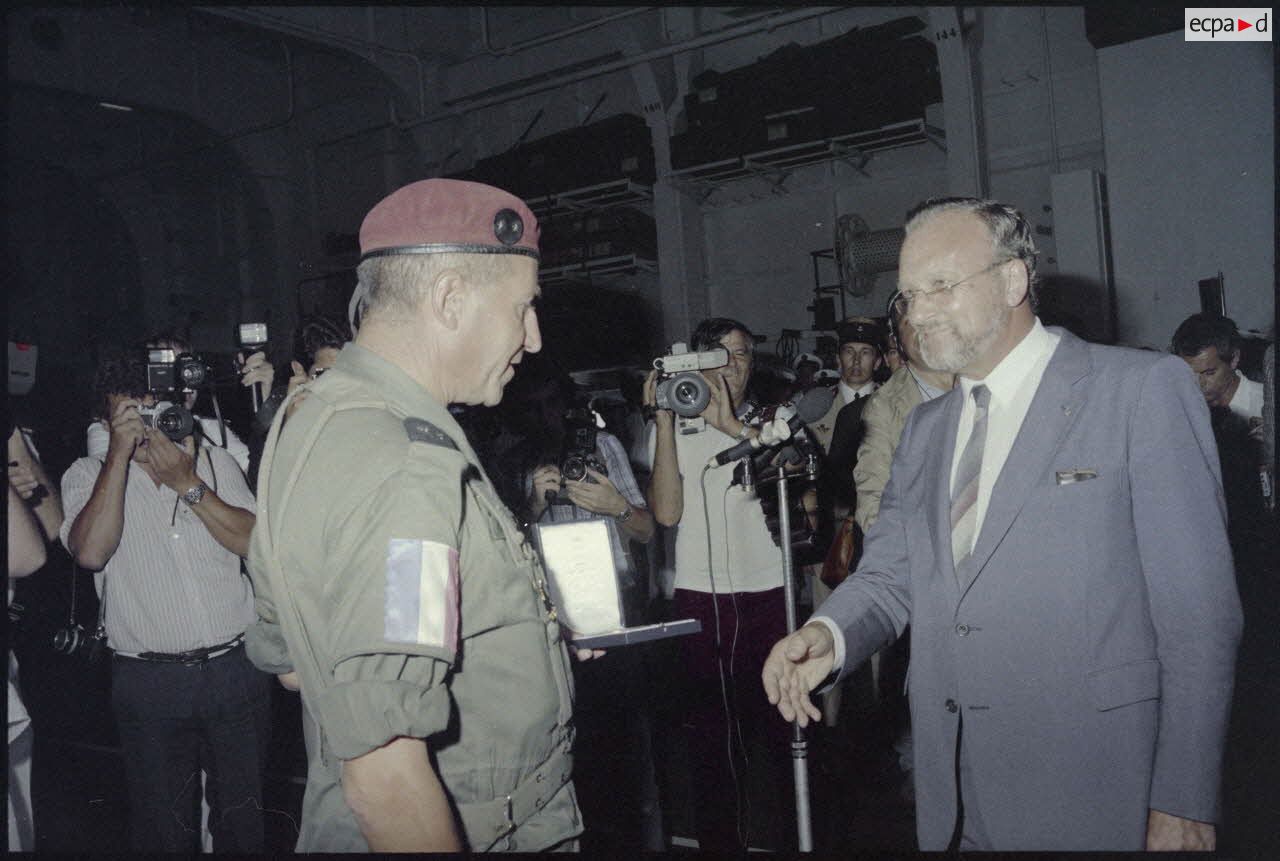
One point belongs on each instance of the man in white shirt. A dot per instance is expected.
(1210, 345)
(166, 524)
(729, 577)
(1053, 530)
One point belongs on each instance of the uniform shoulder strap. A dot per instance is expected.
(421, 430)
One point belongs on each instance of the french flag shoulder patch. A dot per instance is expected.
(421, 593)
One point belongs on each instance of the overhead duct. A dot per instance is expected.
(863, 253)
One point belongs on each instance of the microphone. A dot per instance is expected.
(771, 433)
(810, 406)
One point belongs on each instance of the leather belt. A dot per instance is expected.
(488, 822)
(191, 658)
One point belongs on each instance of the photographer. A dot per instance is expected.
(602, 485)
(571, 470)
(254, 370)
(736, 594)
(165, 522)
(317, 342)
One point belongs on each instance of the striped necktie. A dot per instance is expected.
(964, 493)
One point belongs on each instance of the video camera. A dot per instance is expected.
(681, 388)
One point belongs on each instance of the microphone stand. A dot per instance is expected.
(799, 746)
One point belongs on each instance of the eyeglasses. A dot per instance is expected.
(903, 299)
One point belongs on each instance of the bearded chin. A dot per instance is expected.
(961, 352)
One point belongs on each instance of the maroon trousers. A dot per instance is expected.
(729, 819)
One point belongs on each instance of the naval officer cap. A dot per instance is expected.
(435, 216)
(861, 330)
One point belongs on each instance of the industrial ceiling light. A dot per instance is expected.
(112, 106)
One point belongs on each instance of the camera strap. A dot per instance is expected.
(101, 630)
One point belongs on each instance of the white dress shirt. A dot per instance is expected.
(1247, 401)
(850, 394)
(1013, 384)
(169, 586)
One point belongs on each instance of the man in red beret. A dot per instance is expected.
(394, 589)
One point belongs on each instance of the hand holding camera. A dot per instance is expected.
(174, 464)
(719, 412)
(594, 492)
(546, 487)
(127, 428)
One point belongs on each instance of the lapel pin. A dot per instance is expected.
(1071, 476)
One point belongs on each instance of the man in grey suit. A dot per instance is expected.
(1054, 532)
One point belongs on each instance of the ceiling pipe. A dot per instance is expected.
(515, 47)
(252, 16)
(768, 23)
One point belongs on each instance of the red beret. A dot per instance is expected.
(449, 215)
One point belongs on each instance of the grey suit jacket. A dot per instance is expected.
(1089, 644)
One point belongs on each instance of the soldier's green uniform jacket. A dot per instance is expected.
(366, 493)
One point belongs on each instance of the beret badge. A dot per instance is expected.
(508, 226)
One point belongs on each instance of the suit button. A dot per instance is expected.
(952, 707)
(962, 630)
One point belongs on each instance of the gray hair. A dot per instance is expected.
(1011, 235)
(391, 285)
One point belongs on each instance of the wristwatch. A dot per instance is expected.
(624, 515)
(195, 494)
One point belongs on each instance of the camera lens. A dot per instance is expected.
(191, 372)
(65, 640)
(686, 392)
(574, 469)
(175, 423)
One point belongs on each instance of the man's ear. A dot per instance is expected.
(1017, 283)
(1235, 359)
(446, 297)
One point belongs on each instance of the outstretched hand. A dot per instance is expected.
(796, 665)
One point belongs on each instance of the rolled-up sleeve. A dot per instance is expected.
(393, 608)
(77, 487)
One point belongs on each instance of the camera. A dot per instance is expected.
(169, 371)
(173, 420)
(169, 374)
(681, 388)
(74, 640)
(579, 450)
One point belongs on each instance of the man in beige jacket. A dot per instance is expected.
(885, 414)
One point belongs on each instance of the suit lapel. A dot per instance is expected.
(1054, 409)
